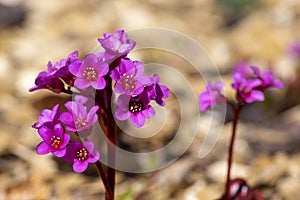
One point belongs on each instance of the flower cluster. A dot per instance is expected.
(52, 126)
(96, 72)
(249, 84)
(136, 91)
(55, 76)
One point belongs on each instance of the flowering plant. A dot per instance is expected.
(101, 79)
(104, 74)
(250, 85)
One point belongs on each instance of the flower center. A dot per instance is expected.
(136, 106)
(90, 74)
(82, 154)
(79, 123)
(128, 82)
(55, 142)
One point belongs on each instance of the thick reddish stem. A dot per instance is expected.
(108, 193)
(230, 149)
(110, 132)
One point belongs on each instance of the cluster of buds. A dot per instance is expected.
(94, 75)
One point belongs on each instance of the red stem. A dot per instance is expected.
(230, 149)
(100, 171)
(110, 132)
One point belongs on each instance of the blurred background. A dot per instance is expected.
(259, 31)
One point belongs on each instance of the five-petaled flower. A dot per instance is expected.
(78, 118)
(81, 155)
(157, 91)
(267, 78)
(117, 44)
(48, 118)
(137, 108)
(54, 141)
(129, 77)
(89, 72)
(211, 96)
(247, 89)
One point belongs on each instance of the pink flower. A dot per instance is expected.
(211, 96)
(117, 44)
(54, 141)
(136, 108)
(52, 78)
(78, 118)
(48, 118)
(81, 155)
(250, 83)
(248, 89)
(158, 91)
(267, 78)
(90, 72)
(129, 77)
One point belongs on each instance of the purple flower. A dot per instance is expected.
(250, 83)
(248, 89)
(78, 118)
(81, 155)
(117, 44)
(90, 72)
(136, 108)
(294, 50)
(244, 69)
(47, 80)
(129, 77)
(105, 57)
(55, 141)
(157, 91)
(48, 118)
(267, 78)
(62, 68)
(52, 78)
(211, 96)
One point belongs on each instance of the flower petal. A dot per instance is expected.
(68, 120)
(149, 113)
(94, 157)
(75, 66)
(66, 140)
(89, 146)
(45, 133)
(114, 74)
(60, 153)
(79, 166)
(137, 120)
(122, 114)
(43, 148)
(81, 83)
(99, 84)
(255, 95)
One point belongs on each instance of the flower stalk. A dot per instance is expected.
(231, 148)
(108, 192)
(111, 135)
(250, 85)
